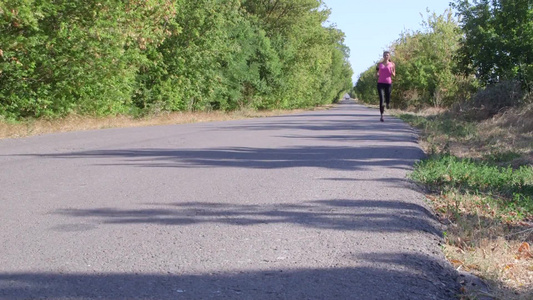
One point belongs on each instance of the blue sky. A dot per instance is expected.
(371, 26)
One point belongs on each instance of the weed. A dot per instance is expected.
(445, 172)
(501, 157)
(492, 100)
(480, 178)
(441, 124)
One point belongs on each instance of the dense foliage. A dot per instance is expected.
(498, 40)
(102, 57)
(425, 66)
(489, 45)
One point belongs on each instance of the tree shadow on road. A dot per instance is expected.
(344, 117)
(357, 137)
(396, 280)
(351, 215)
(334, 157)
(335, 135)
(324, 123)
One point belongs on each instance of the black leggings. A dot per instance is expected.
(384, 90)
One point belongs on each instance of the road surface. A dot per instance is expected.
(314, 205)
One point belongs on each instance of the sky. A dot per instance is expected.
(371, 26)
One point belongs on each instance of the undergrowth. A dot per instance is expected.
(444, 173)
(479, 178)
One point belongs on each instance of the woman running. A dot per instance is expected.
(385, 71)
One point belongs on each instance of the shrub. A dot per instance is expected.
(492, 100)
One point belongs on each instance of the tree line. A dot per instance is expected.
(486, 46)
(105, 57)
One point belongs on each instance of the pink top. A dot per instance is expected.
(385, 72)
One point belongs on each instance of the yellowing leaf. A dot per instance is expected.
(456, 262)
(524, 248)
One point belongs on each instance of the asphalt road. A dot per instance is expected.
(307, 206)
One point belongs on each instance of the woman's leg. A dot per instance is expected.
(388, 90)
(382, 94)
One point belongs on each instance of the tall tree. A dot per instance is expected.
(425, 65)
(59, 57)
(498, 40)
(137, 56)
(425, 68)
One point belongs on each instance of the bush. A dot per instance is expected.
(110, 57)
(61, 57)
(492, 100)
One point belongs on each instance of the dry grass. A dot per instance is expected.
(510, 131)
(483, 238)
(480, 243)
(79, 123)
(519, 120)
(500, 263)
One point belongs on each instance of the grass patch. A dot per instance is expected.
(479, 178)
(447, 172)
(440, 125)
(501, 157)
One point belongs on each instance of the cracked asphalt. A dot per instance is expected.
(315, 205)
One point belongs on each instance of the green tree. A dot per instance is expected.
(305, 49)
(60, 57)
(184, 70)
(425, 66)
(136, 56)
(366, 87)
(498, 40)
